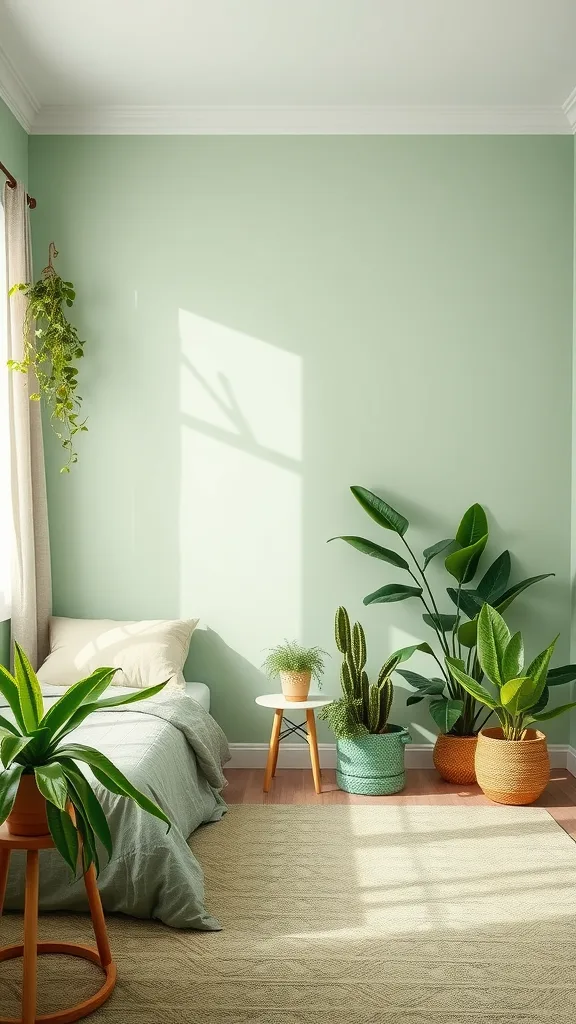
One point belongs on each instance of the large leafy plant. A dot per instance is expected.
(51, 348)
(363, 708)
(452, 706)
(35, 743)
(518, 695)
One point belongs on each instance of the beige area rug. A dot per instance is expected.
(349, 915)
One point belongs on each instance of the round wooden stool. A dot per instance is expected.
(30, 948)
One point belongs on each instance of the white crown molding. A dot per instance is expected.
(569, 108)
(16, 94)
(418, 755)
(136, 120)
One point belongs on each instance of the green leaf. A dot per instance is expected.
(472, 535)
(414, 678)
(437, 549)
(475, 689)
(64, 834)
(380, 511)
(415, 698)
(404, 653)
(446, 713)
(109, 702)
(468, 633)
(11, 747)
(28, 689)
(9, 782)
(392, 592)
(493, 638)
(9, 690)
(518, 588)
(469, 602)
(544, 716)
(111, 777)
(445, 623)
(556, 676)
(513, 659)
(495, 579)
(75, 696)
(90, 803)
(368, 547)
(8, 726)
(51, 782)
(87, 837)
(517, 695)
(538, 669)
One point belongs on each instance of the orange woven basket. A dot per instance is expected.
(454, 758)
(512, 771)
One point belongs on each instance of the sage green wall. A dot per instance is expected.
(271, 319)
(14, 155)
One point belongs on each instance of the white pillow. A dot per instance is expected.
(146, 652)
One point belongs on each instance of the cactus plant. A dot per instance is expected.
(363, 708)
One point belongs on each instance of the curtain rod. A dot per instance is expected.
(12, 184)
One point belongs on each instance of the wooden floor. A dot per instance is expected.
(423, 786)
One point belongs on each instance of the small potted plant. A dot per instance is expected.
(42, 789)
(295, 665)
(370, 751)
(512, 764)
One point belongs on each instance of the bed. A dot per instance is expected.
(173, 750)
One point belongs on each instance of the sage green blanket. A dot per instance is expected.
(172, 750)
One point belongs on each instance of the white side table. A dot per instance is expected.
(278, 702)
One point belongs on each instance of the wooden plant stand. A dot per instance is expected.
(30, 949)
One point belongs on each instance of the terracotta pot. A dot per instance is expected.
(454, 758)
(512, 771)
(28, 815)
(295, 685)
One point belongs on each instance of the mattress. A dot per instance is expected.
(199, 692)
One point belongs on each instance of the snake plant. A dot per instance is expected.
(362, 708)
(454, 709)
(34, 742)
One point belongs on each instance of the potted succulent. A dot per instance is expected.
(42, 789)
(295, 665)
(457, 713)
(369, 750)
(512, 764)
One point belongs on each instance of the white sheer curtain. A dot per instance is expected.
(31, 589)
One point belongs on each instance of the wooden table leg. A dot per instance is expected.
(29, 975)
(313, 744)
(97, 914)
(273, 750)
(4, 865)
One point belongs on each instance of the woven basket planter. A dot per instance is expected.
(454, 758)
(295, 685)
(373, 765)
(512, 771)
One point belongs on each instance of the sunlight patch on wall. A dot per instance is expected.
(241, 486)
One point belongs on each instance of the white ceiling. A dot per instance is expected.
(288, 65)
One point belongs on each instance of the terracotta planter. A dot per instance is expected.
(295, 685)
(454, 758)
(28, 815)
(512, 771)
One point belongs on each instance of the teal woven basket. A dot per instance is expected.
(373, 765)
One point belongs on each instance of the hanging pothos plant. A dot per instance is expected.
(51, 346)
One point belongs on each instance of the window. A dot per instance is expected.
(5, 500)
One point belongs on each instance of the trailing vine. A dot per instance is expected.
(51, 346)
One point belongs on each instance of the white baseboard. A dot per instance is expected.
(418, 755)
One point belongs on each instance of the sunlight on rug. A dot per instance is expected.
(356, 914)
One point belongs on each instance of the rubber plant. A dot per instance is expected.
(35, 743)
(454, 709)
(51, 348)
